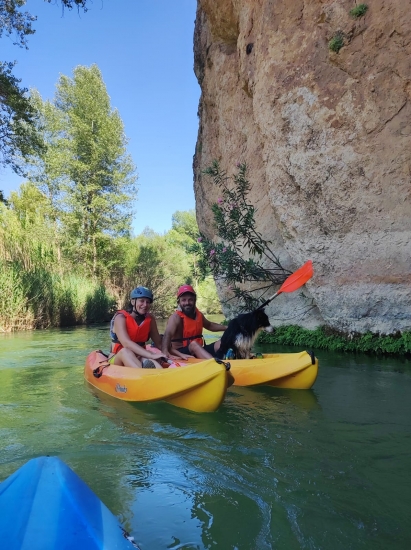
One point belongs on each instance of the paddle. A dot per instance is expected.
(293, 282)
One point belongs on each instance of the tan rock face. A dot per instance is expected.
(327, 137)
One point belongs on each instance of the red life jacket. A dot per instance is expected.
(192, 329)
(138, 333)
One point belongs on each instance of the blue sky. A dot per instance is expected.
(144, 49)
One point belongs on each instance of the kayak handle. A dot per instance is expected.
(225, 363)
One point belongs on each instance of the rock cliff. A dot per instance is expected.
(327, 137)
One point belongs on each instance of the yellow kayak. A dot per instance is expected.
(284, 370)
(199, 388)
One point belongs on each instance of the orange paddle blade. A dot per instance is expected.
(298, 278)
(294, 281)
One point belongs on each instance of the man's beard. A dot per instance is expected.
(188, 310)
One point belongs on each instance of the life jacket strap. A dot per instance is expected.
(188, 338)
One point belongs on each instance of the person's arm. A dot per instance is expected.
(180, 355)
(171, 329)
(122, 335)
(213, 327)
(154, 334)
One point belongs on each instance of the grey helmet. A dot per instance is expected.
(141, 292)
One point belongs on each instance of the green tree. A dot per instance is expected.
(16, 23)
(18, 135)
(184, 223)
(208, 301)
(86, 171)
(152, 261)
(18, 118)
(26, 231)
(184, 233)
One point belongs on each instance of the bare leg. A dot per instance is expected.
(127, 358)
(199, 351)
(217, 345)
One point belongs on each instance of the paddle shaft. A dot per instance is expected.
(269, 300)
(295, 281)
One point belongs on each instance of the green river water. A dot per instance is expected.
(327, 468)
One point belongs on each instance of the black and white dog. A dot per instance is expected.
(241, 333)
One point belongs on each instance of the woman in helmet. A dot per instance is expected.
(130, 331)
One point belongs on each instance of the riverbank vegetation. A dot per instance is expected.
(42, 284)
(67, 252)
(328, 339)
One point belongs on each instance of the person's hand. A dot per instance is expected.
(185, 356)
(175, 357)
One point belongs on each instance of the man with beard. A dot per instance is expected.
(184, 331)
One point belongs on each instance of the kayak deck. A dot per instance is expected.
(200, 388)
(45, 505)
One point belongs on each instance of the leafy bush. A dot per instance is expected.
(207, 299)
(241, 254)
(99, 306)
(336, 42)
(359, 11)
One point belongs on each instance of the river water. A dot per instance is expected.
(327, 468)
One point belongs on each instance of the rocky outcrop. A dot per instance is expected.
(327, 137)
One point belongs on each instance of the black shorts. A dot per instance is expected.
(207, 347)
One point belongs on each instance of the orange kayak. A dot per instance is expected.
(197, 387)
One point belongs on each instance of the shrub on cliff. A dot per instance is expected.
(359, 11)
(241, 254)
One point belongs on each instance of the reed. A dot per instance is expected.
(14, 312)
(39, 288)
(41, 299)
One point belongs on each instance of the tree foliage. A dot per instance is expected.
(241, 255)
(152, 261)
(18, 136)
(14, 22)
(85, 170)
(184, 233)
(184, 223)
(17, 23)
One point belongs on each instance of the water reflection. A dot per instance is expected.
(272, 468)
